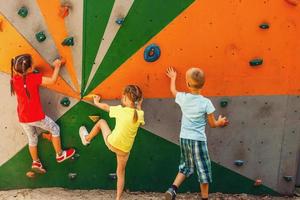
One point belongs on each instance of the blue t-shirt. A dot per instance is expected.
(194, 113)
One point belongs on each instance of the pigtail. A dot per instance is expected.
(12, 91)
(135, 115)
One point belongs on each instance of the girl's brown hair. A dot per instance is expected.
(20, 64)
(135, 94)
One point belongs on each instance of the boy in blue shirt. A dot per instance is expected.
(193, 146)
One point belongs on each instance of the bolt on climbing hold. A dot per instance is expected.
(120, 21)
(94, 118)
(293, 2)
(224, 103)
(68, 41)
(288, 178)
(239, 163)
(65, 102)
(40, 36)
(256, 62)
(72, 176)
(64, 11)
(258, 182)
(152, 53)
(112, 176)
(264, 26)
(23, 12)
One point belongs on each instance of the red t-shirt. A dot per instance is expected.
(29, 108)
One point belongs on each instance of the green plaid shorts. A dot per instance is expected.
(195, 154)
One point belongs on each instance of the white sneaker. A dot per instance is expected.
(83, 133)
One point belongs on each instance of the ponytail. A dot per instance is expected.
(12, 91)
(135, 115)
(134, 93)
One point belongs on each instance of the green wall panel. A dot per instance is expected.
(96, 15)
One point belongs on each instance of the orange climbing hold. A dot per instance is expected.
(64, 11)
(293, 2)
(1, 25)
(47, 136)
(94, 118)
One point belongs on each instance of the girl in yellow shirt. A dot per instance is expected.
(129, 116)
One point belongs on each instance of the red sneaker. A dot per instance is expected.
(38, 167)
(66, 154)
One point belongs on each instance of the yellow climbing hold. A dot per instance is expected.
(89, 97)
(94, 118)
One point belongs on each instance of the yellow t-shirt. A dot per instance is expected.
(122, 137)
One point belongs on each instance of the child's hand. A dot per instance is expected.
(171, 73)
(222, 121)
(96, 99)
(57, 63)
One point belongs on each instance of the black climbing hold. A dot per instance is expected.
(120, 21)
(65, 102)
(36, 71)
(264, 26)
(112, 176)
(72, 176)
(68, 41)
(224, 103)
(23, 12)
(239, 163)
(75, 157)
(256, 62)
(288, 178)
(40, 36)
(152, 53)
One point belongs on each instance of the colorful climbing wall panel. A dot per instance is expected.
(247, 49)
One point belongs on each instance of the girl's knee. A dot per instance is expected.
(55, 131)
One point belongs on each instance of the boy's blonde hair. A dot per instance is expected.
(197, 78)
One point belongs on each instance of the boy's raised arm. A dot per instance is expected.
(102, 106)
(172, 74)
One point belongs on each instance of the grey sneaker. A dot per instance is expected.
(83, 133)
(170, 194)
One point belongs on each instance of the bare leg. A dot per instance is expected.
(204, 190)
(33, 153)
(57, 145)
(121, 166)
(100, 126)
(179, 179)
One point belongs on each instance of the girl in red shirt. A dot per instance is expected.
(25, 85)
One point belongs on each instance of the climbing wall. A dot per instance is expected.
(248, 50)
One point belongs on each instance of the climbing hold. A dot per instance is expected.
(120, 21)
(288, 178)
(72, 176)
(256, 62)
(64, 11)
(293, 2)
(112, 176)
(40, 36)
(1, 25)
(23, 12)
(30, 174)
(75, 157)
(258, 182)
(68, 41)
(264, 26)
(65, 102)
(47, 136)
(89, 97)
(36, 71)
(152, 53)
(239, 163)
(94, 118)
(224, 103)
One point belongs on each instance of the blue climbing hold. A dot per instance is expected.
(120, 21)
(288, 178)
(239, 163)
(152, 53)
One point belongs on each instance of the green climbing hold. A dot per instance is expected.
(224, 103)
(23, 12)
(72, 176)
(40, 36)
(256, 62)
(65, 102)
(68, 41)
(264, 26)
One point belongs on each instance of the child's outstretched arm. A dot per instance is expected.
(172, 74)
(213, 123)
(102, 106)
(51, 80)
